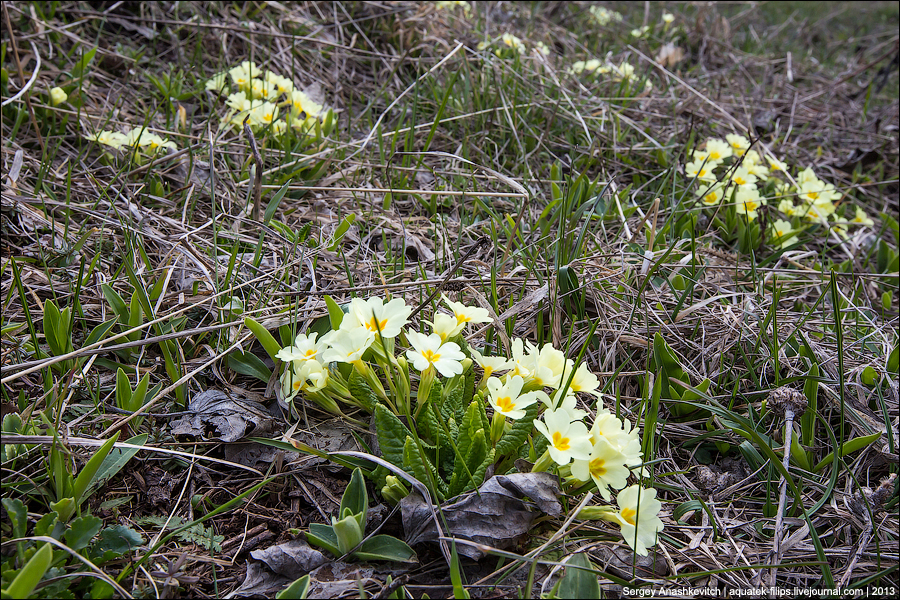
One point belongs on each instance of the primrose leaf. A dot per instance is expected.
(392, 435)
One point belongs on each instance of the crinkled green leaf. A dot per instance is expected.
(361, 390)
(465, 473)
(392, 435)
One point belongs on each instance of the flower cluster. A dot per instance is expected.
(730, 169)
(532, 380)
(450, 4)
(266, 100)
(508, 46)
(148, 144)
(604, 16)
(623, 72)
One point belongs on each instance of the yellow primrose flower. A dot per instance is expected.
(301, 103)
(584, 380)
(304, 348)
(542, 48)
(780, 230)
(238, 102)
(282, 85)
(467, 314)
(862, 218)
(218, 82)
(711, 195)
(605, 466)
(154, 143)
(748, 201)
(262, 90)
(375, 315)
(347, 345)
(700, 170)
(451, 4)
(638, 518)
(640, 32)
(279, 127)
(508, 399)
(58, 96)
(113, 139)
(429, 351)
(717, 150)
(806, 176)
(568, 440)
(264, 114)
(243, 74)
(743, 177)
(668, 18)
(819, 212)
(603, 15)
(775, 164)
(446, 326)
(754, 166)
(513, 42)
(787, 207)
(625, 70)
(490, 364)
(739, 144)
(818, 192)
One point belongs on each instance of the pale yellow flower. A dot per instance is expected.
(780, 230)
(711, 195)
(113, 139)
(739, 144)
(301, 103)
(513, 42)
(787, 207)
(568, 440)
(700, 170)
(430, 351)
(605, 466)
(58, 96)
(638, 517)
(446, 326)
(743, 177)
(862, 218)
(264, 114)
(218, 82)
(818, 192)
(282, 85)
(717, 150)
(748, 201)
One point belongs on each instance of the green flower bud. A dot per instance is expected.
(393, 491)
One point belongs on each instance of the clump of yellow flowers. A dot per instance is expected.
(267, 101)
(144, 143)
(729, 170)
(531, 389)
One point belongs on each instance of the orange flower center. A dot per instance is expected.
(505, 404)
(629, 514)
(598, 467)
(560, 442)
(376, 325)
